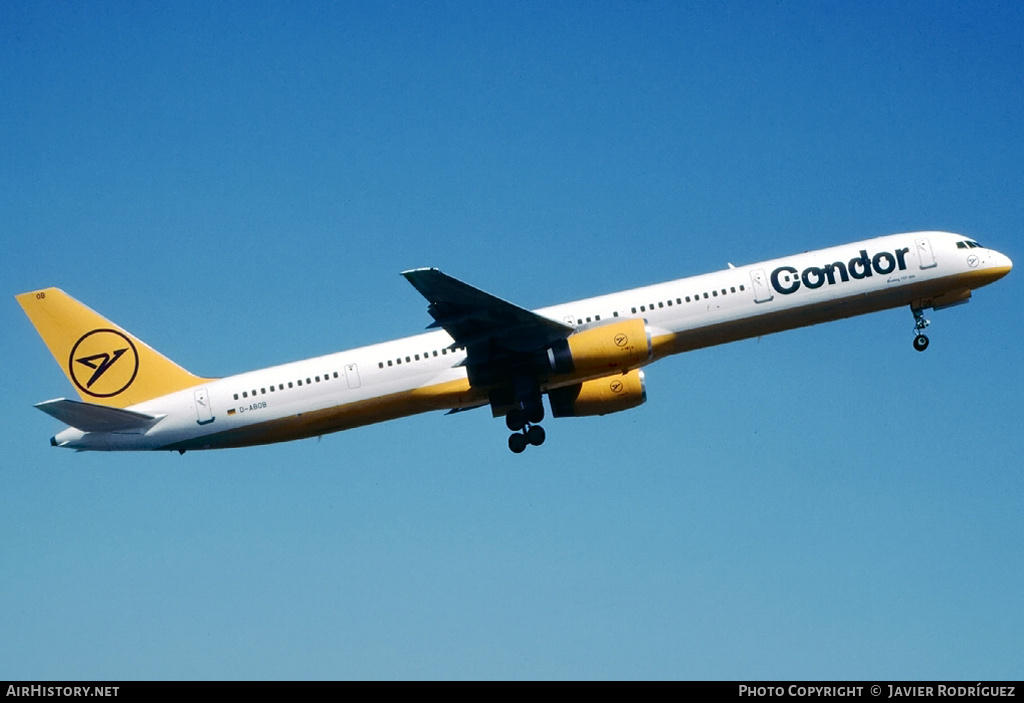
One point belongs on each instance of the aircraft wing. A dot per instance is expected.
(481, 322)
(90, 417)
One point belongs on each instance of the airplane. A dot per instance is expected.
(587, 356)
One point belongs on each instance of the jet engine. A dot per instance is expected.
(614, 347)
(599, 396)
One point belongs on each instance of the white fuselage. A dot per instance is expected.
(421, 373)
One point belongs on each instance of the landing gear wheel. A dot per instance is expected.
(920, 342)
(535, 412)
(536, 435)
(517, 442)
(515, 420)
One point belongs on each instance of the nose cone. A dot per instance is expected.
(1000, 264)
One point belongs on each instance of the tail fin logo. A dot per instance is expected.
(103, 363)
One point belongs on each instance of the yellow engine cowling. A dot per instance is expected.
(615, 347)
(599, 396)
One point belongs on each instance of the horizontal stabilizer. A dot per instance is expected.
(90, 417)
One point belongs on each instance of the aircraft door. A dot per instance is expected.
(762, 292)
(925, 254)
(352, 375)
(204, 413)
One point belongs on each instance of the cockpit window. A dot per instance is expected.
(968, 244)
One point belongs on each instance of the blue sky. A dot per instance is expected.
(239, 185)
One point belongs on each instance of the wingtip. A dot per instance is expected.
(422, 269)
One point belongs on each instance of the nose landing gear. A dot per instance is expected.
(920, 338)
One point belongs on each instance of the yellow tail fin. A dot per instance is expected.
(106, 364)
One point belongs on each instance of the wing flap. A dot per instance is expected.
(90, 417)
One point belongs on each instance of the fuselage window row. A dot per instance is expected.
(280, 387)
(694, 298)
(416, 357)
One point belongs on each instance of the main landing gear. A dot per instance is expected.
(523, 423)
(920, 338)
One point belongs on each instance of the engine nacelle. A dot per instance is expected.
(615, 347)
(599, 396)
